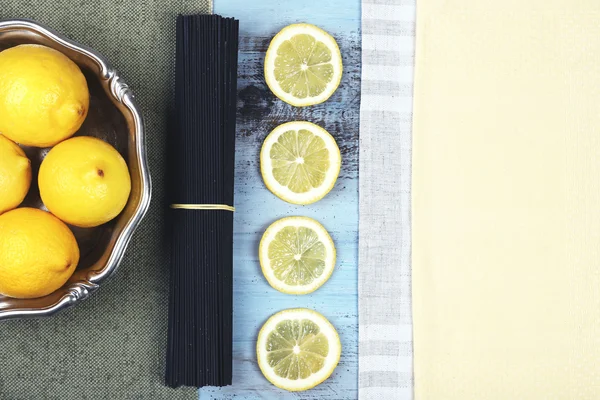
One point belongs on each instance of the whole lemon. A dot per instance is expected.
(15, 175)
(44, 96)
(84, 181)
(38, 253)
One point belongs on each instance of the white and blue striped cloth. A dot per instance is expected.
(385, 327)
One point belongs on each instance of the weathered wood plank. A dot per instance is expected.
(258, 113)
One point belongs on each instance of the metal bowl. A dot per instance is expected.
(114, 118)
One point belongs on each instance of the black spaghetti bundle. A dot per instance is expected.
(201, 152)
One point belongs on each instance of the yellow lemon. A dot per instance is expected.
(297, 349)
(297, 255)
(15, 175)
(84, 181)
(300, 162)
(38, 253)
(303, 65)
(44, 96)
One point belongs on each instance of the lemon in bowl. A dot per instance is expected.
(38, 253)
(15, 175)
(84, 181)
(44, 97)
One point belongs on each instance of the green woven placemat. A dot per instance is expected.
(113, 345)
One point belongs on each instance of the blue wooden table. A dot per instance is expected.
(258, 113)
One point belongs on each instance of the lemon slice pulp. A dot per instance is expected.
(297, 255)
(303, 65)
(297, 349)
(300, 162)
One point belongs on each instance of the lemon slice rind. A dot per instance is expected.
(330, 362)
(336, 61)
(265, 261)
(283, 192)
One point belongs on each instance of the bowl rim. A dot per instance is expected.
(121, 93)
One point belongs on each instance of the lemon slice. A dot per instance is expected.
(297, 255)
(303, 65)
(300, 162)
(297, 349)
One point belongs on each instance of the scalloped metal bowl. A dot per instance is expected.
(113, 117)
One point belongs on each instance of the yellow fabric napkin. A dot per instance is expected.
(506, 200)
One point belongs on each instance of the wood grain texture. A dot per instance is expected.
(259, 111)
